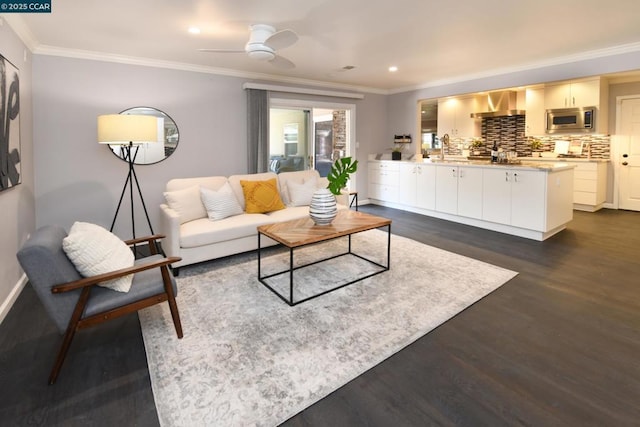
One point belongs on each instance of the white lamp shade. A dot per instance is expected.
(121, 129)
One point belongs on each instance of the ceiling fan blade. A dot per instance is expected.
(222, 50)
(282, 62)
(281, 39)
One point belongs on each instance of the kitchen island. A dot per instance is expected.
(533, 200)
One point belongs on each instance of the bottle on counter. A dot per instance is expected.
(494, 152)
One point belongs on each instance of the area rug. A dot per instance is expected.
(249, 359)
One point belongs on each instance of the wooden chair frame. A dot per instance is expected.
(78, 322)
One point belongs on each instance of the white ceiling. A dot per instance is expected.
(430, 41)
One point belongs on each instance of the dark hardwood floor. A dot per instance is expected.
(557, 345)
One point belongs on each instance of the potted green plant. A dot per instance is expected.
(323, 207)
(339, 174)
(396, 152)
(536, 144)
(476, 144)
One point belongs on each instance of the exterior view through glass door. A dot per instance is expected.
(288, 140)
(309, 136)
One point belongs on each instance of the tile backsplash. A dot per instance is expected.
(509, 133)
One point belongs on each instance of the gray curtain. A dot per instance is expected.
(257, 130)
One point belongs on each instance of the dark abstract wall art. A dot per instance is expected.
(10, 170)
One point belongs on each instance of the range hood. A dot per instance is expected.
(502, 103)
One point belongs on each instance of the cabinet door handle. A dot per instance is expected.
(461, 174)
(624, 163)
(506, 176)
(515, 177)
(453, 172)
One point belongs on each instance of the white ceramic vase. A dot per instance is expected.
(323, 208)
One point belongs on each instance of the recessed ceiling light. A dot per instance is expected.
(393, 69)
(194, 30)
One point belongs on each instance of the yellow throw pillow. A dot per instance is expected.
(261, 196)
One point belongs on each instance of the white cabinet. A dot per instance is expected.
(585, 93)
(589, 186)
(470, 192)
(514, 197)
(525, 201)
(384, 180)
(459, 190)
(589, 183)
(417, 185)
(454, 117)
(535, 112)
(447, 189)
(532, 200)
(496, 196)
(408, 184)
(426, 187)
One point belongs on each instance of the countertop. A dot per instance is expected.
(525, 163)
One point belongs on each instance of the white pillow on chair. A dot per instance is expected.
(93, 250)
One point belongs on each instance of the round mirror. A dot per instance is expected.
(153, 152)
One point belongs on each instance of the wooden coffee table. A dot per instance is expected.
(303, 232)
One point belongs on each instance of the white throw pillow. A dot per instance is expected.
(187, 203)
(300, 194)
(220, 204)
(94, 250)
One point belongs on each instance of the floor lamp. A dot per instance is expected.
(128, 131)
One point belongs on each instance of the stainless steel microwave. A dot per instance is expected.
(571, 120)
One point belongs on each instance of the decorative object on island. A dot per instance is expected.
(396, 151)
(323, 208)
(536, 144)
(476, 144)
(402, 139)
(10, 166)
(128, 131)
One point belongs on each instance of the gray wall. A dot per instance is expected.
(78, 179)
(16, 203)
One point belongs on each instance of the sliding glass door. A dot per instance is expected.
(309, 135)
(289, 139)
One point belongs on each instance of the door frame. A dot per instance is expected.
(615, 148)
(307, 104)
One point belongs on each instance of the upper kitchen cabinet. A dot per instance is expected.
(578, 93)
(454, 117)
(535, 116)
(593, 92)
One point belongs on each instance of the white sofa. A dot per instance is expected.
(191, 235)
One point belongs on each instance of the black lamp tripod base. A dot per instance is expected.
(130, 157)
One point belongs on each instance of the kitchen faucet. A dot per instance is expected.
(445, 143)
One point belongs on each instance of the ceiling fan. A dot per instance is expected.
(263, 43)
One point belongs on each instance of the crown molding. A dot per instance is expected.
(21, 29)
(583, 56)
(148, 62)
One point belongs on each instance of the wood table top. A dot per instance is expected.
(304, 231)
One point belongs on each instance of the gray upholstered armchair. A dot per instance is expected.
(74, 302)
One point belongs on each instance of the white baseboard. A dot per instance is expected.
(13, 296)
